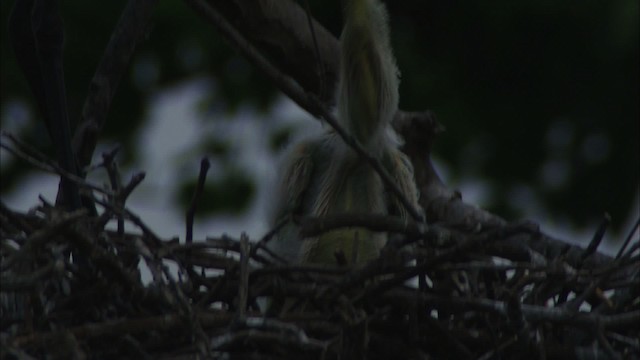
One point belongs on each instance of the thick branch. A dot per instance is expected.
(129, 31)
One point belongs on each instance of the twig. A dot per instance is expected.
(313, 226)
(597, 238)
(107, 157)
(602, 340)
(632, 231)
(49, 166)
(633, 343)
(40, 237)
(122, 326)
(429, 263)
(495, 353)
(261, 331)
(518, 322)
(202, 177)
(116, 183)
(134, 218)
(243, 289)
(106, 260)
(136, 179)
(262, 243)
(531, 313)
(24, 282)
(617, 266)
(402, 316)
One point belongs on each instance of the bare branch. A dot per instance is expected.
(129, 32)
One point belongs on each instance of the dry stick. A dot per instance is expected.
(243, 288)
(262, 243)
(122, 326)
(602, 340)
(126, 190)
(239, 338)
(118, 200)
(17, 220)
(518, 323)
(46, 165)
(199, 256)
(7, 226)
(492, 354)
(29, 150)
(631, 250)
(153, 259)
(429, 263)
(106, 157)
(307, 268)
(458, 349)
(136, 179)
(158, 269)
(17, 354)
(299, 95)
(480, 265)
(313, 226)
(541, 343)
(116, 182)
(134, 218)
(271, 253)
(628, 239)
(532, 313)
(575, 303)
(597, 239)
(591, 248)
(105, 259)
(27, 282)
(42, 236)
(108, 162)
(86, 245)
(202, 177)
(628, 341)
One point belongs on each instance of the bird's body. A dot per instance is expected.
(324, 176)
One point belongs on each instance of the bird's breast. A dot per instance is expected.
(351, 187)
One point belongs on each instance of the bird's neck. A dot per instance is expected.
(368, 87)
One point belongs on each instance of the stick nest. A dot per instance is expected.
(72, 288)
